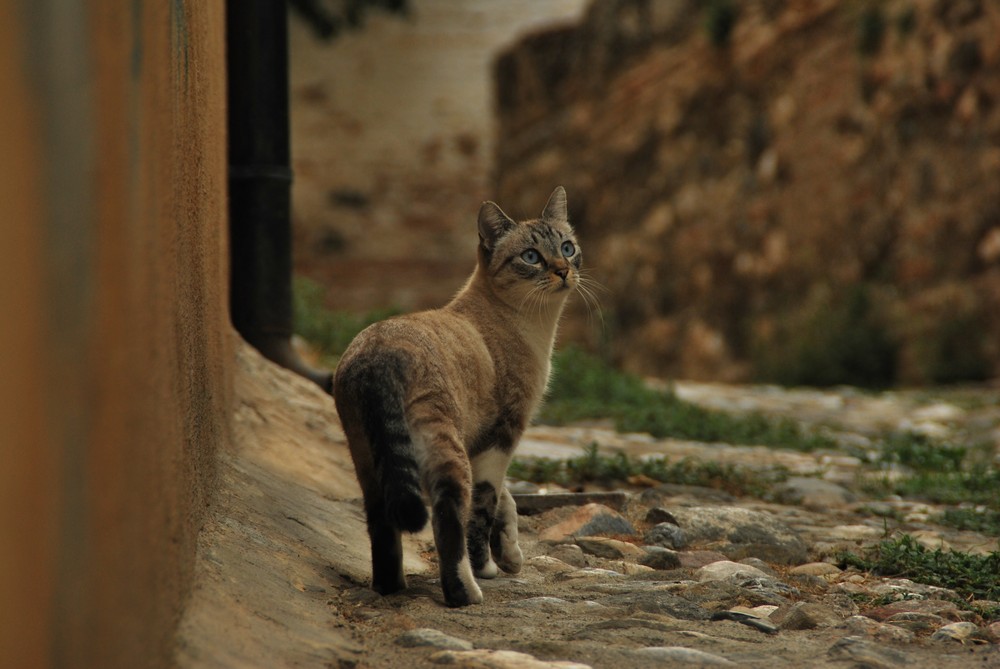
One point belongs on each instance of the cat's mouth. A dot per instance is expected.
(560, 285)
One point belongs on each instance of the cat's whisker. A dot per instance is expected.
(588, 287)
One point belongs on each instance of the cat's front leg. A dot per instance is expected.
(503, 538)
(481, 522)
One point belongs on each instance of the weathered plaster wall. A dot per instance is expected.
(115, 348)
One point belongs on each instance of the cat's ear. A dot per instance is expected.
(493, 224)
(555, 208)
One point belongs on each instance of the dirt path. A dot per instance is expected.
(283, 564)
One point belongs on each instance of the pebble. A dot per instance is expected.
(685, 656)
(667, 535)
(498, 659)
(592, 573)
(739, 533)
(936, 607)
(589, 520)
(915, 621)
(547, 564)
(862, 625)
(805, 616)
(865, 653)
(812, 493)
(960, 632)
(726, 570)
(571, 554)
(854, 532)
(432, 638)
(749, 618)
(696, 559)
(612, 549)
(660, 558)
(658, 515)
(815, 569)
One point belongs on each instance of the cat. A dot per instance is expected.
(436, 402)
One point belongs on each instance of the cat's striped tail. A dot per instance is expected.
(392, 448)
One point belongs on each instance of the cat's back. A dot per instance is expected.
(435, 351)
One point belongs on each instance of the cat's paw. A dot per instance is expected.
(462, 594)
(461, 589)
(511, 559)
(488, 570)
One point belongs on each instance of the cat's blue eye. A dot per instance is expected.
(531, 256)
(568, 249)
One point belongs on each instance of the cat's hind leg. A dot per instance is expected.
(387, 549)
(449, 482)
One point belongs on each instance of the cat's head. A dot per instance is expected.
(530, 262)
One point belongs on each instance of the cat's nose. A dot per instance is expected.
(562, 272)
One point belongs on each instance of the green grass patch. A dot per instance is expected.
(970, 576)
(583, 386)
(594, 467)
(329, 331)
(935, 471)
(980, 519)
(921, 453)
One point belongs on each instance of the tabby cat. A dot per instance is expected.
(436, 401)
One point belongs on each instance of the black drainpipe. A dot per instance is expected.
(260, 181)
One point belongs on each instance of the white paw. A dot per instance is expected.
(471, 587)
(489, 570)
(512, 558)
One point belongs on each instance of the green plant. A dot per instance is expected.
(976, 486)
(954, 350)
(327, 330)
(593, 467)
(584, 386)
(970, 576)
(983, 520)
(906, 21)
(720, 18)
(871, 30)
(837, 338)
(921, 453)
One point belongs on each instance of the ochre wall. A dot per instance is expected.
(115, 348)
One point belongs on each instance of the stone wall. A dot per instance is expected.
(814, 199)
(116, 346)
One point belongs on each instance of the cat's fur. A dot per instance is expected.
(436, 401)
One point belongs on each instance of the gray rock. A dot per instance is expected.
(431, 638)
(656, 601)
(725, 570)
(690, 657)
(611, 549)
(865, 653)
(812, 493)
(660, 558)
(666, 535)
(588, 521)
(606, 524)
(741, 533)
(571, 554)
(658, 515)
(759, 564)
(960, 632)
(916, 621)
(720, 595)
(748, 619)
(498, 659)
(805, 616)
(861, 625)
(660, 493)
